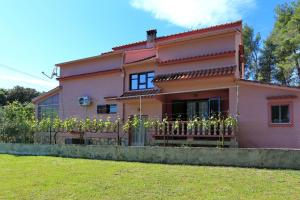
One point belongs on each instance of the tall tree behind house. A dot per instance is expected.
(267, 61)
(286, 37)
(252, 47)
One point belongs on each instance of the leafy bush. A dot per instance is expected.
(17, 122)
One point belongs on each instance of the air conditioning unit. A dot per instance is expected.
(84, 101)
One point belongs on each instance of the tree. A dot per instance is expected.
(3, 97)
(252, 48)
(21, 94)
(16, 121)
(267, 61)
(286, 36)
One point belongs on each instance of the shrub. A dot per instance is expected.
(17, 122)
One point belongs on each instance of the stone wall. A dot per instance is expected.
(88, 138)
(261, 158)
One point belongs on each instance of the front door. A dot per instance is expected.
(139, 134)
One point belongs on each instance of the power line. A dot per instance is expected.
(22, 72)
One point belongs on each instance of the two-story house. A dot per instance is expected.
(194, 73)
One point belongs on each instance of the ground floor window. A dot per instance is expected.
(280, 113)
(107, 109)
(48, 108)
(202, 108)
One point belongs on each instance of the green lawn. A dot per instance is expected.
(27, 177)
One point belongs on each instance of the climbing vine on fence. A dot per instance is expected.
(75, 125)
(17, 123)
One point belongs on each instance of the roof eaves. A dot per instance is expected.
(114, 70)
(140, 93)
(259, 83)
(186, 33)
(46, 94)
(89, 58)
(197, 74)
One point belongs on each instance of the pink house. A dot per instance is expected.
(194, 73)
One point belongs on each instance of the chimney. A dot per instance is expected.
(151, 36)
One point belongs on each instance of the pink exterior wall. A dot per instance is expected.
(132, 56)
(92, 65)
(197, 65)
(238, 42)
(198, 47)
(254, 129)
(150, 107)
(97, 87)
(196, 85)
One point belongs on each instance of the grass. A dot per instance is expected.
(29, 177)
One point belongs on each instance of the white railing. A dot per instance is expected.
(182, 129)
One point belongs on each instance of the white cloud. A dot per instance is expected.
(195, 13)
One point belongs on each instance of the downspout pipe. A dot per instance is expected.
(124, 76)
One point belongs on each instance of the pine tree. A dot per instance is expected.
(252, 48)
(286, 37)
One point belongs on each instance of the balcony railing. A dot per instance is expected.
(181, 129)
(183, 133)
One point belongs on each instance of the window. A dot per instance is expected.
(203, 108)
(280, 114)
(141, 81)
(214, 106)
(48, 108)
(107, 109)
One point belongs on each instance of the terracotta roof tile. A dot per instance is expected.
(138, 93)
(222, 71)
(46, 94)
(178, 35)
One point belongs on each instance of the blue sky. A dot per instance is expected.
(35, 35)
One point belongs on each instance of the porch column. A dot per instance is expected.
(233, 100)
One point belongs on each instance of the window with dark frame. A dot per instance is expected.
(280, 114)
(203, 108)
(141, 81)
(107, 109)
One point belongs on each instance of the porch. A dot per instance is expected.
(188, 118)
(179, 109)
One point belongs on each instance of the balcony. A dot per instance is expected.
(173, 133)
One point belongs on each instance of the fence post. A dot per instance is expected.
(164, 132)
(50, 131)
(118, 134)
